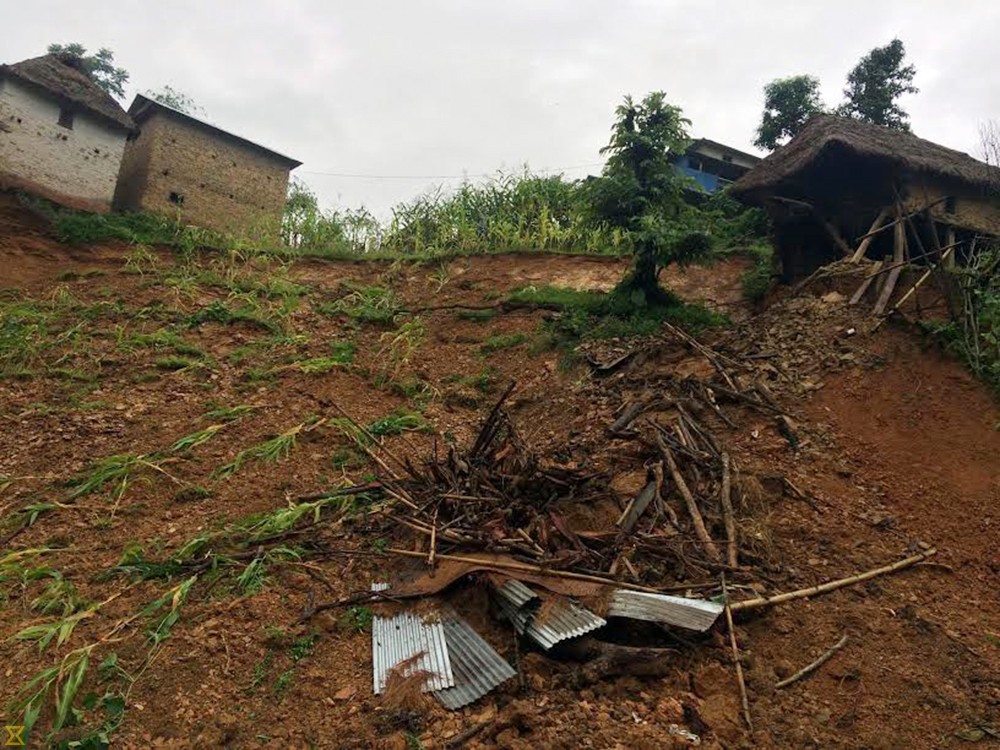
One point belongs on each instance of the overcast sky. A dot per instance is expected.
(449, 87)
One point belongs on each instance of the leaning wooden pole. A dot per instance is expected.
(867, 241)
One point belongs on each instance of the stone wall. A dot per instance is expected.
(77, 166)
(176, 166)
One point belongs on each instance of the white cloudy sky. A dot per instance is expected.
(445, 87)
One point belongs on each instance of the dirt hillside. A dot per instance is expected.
(112, 356)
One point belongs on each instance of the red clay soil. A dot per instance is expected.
(899, 446)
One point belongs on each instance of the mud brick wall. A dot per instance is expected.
(214, 181)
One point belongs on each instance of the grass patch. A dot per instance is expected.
(220, 312)
(501, 341)
(369, 304)
(175, 364)
(595, 315)
(399, 422)
(479, 316)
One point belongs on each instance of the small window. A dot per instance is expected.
(165, 172)
(66, 118)
(950, 204)
(177, 199)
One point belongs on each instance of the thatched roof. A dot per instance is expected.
(60, 75)
(893, 148)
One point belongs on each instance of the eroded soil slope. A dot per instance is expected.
(112, 358)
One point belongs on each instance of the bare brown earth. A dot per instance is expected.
(899, 446)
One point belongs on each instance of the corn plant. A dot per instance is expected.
(192, 441)
(172, 601)
(60, 629)
(62, 680)
(400, 346)
(274, 449)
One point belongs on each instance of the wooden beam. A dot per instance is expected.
(863, 246)
(900, 218)
(899, 253)
(866, 283)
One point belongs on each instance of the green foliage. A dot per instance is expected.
(397, 423)
(171, 601)
(228, 314)
(974, 334)
(99, 67)
(370, 304)
(594, 315)
(189, 442)
(512, 211)
(62, 681)
(640, 191)
(876, 83)
(788, 104)
(87, 229)
(230, 413)
(501, 341)
(114, 473)
(757, 282)
(310, 231)
(275, 449)
(357, 619)
(175, 99)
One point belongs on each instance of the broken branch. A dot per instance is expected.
(813, 666)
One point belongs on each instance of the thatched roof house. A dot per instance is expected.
(62, 78)
(827, 187)
(61, 135)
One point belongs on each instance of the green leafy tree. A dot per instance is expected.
(177, 100)
(100, 67)
(788, 104)
(640, 191)
(875, 84)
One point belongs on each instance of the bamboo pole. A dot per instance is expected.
(736, 656)
(813, 666)
(913, 289)
(825, 588)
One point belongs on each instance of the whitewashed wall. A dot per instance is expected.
(79, 163)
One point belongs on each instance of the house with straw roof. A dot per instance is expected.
(61, 135)
(844, 188)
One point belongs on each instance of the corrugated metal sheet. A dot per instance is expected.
(409, 636)
(694, 614)
(478, 669)
(563, 619)
(517, 593)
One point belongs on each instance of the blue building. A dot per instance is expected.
(714, 165)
